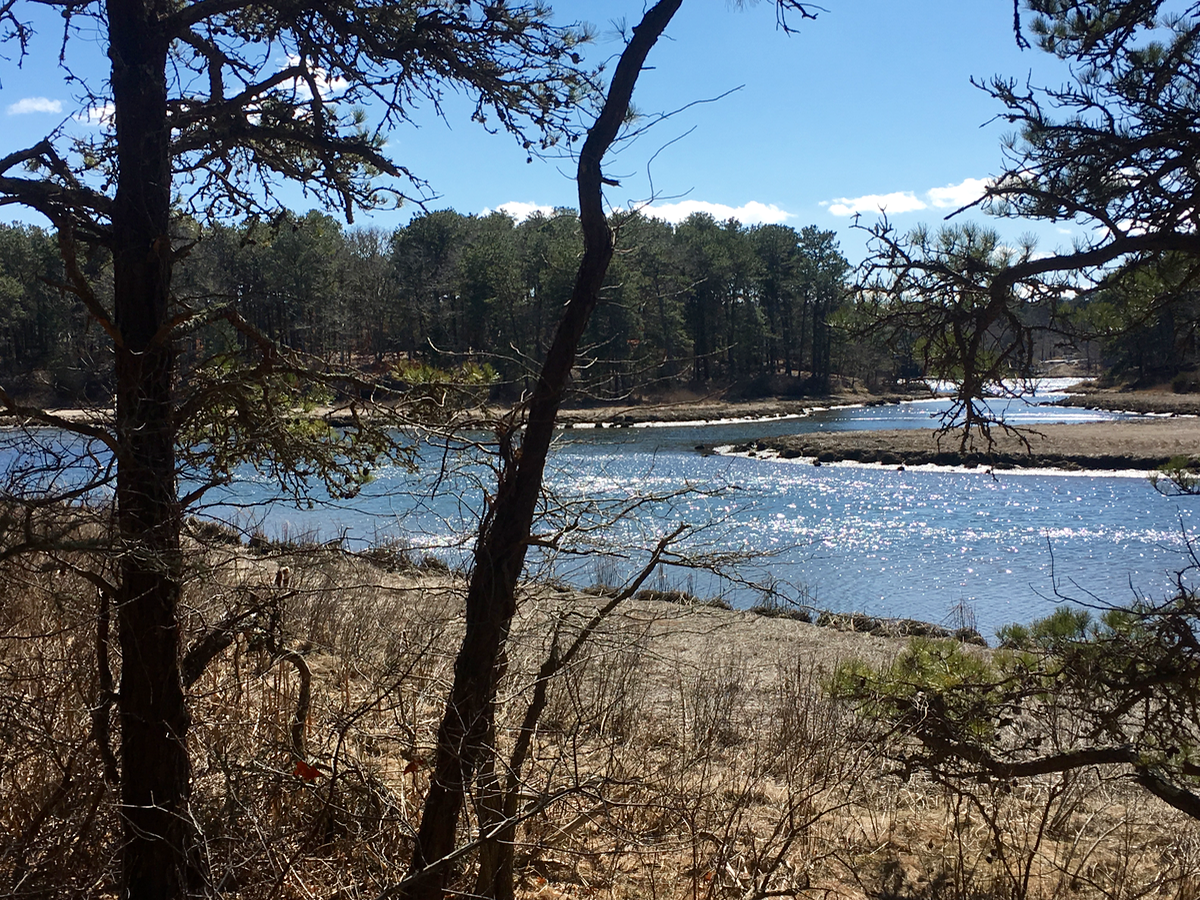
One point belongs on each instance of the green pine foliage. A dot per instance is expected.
(1073, 690)
(703, 300)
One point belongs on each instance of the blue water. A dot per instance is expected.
(843, 537)
(915, 543)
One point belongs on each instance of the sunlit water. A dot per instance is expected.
(914, 543)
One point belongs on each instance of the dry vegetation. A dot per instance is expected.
(689, 752)
(1143, 444)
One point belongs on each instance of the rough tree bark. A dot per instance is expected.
(497, 857)
(185, 84)
(153, 713)
(504, 533)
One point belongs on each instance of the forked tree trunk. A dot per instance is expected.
(155, 774)
(504, 532)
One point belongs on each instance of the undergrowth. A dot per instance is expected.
(671, 760)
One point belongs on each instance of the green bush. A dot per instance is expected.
(1066, 692)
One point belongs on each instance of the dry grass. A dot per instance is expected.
(1141, 445)
(690, 752)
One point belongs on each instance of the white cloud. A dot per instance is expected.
(895, 202)
(1132, 228)
(34, 105)
(752, 213)
(952, 196)
(97, 115)
(520, 211)
(958, 195)
(327, 86)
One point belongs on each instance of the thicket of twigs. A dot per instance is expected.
(689, 752)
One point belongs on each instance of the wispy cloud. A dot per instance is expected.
(952, 196)
(28, 105)
(520, 211)
(97, 115)
(751, 213)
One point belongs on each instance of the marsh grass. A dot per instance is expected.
(687, 752)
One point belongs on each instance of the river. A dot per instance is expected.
(924, 544)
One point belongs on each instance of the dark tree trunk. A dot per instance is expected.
(821, 341)
(801, 333)
(497, 856)
(787, 336)
(155, 782)
(668, 367)
(504, 533)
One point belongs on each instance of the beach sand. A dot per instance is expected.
(1144, 443)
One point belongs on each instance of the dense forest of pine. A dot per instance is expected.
(769, 308)
(702, 301)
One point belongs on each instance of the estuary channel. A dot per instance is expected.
(917, 543)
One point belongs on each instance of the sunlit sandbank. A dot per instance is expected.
(1135, 446)
(983, 471)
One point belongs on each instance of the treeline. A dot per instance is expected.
(701, 301)
(768, 308)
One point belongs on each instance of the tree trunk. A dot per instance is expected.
(497, 856)
(668, 366)
(800, 333)
(504, 532)
(786, 316)
(821, 340)
(155, 783)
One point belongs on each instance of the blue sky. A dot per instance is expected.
(870, 105)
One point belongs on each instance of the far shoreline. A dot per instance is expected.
(688, 411)
(716, 409)
(1142, 444)
(1166, 430)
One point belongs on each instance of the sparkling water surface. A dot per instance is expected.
(917, 543)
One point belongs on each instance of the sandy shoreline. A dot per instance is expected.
(1142, 444)
(715, 409)
(1171, 429)
(691, 409)
(1147, 402)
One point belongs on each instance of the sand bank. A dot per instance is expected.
(1139, 444)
